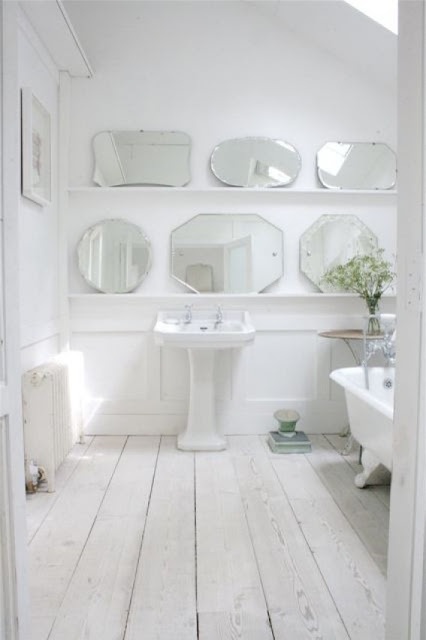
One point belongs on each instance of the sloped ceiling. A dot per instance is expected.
(341, 30)
(332, 25)
(51, 22)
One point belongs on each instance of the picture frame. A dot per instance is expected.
(36, 149)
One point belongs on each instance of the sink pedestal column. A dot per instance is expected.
(200, 433)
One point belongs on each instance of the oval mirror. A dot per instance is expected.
(255, 162)
(356, 165)
(227, 253)
(114, 256)
(333, 240)
(141, 158)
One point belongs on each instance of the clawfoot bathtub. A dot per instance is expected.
(370, 413)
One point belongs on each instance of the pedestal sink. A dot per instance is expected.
(202, 333)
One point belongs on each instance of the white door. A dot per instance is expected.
(13, 598)
(238, 266)
(406, 593)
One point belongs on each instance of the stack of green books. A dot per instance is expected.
(294, 442)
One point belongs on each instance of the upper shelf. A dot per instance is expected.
(229, 190)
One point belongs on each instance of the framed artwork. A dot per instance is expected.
(36, 149)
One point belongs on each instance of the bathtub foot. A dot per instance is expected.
(348, 446)
(373, 471)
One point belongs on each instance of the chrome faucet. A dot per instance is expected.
(383, 342)
(219, 315)
(188, 314)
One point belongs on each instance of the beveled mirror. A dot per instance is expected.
(114, 256)
(227, 253)
(333, 240)
(255, 162)
(356, 165)
(141, 158)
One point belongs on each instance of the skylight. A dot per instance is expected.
(385, 12)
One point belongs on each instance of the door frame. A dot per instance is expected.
(406, 588)
(13, 555)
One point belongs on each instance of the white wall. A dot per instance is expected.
(215, 70)
(38, 251)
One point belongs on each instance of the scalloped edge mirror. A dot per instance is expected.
(333, 239)
(114, 256)
(131, 158)
(255, 162)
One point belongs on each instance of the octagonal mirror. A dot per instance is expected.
(227, 253)
(255, 162)
(333, 240)
(114, 256)
(356, 165)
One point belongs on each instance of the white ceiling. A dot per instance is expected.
(51, 22)
(338, 28)
(331, 25)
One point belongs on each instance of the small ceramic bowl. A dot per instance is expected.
(287, 419)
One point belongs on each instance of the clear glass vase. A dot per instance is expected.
(373, 326)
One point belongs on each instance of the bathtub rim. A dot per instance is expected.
(341, 377)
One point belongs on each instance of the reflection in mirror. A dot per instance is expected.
(333, 240)
(356, 165)
(141, 158)
(227, 253)
(114, 256)
(255, 162)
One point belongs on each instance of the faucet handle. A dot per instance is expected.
(188, 313)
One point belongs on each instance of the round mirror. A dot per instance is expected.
(333, 240)
(114, 256)
(227, 253)
(356, 165)
(255, 162)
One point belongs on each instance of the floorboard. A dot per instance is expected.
(142, 540)
(353, 578)
(98, 597)
(164, 598)
(361, 507)
(40, 503)
(299, 602)
(230, 602)
(56, 548)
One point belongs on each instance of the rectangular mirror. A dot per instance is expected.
(356, 165)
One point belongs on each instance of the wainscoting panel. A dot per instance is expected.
(174, 374)
(136, 387)
(116, 364)
(282, 365)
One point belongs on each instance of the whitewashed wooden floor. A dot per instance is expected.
(142, 542)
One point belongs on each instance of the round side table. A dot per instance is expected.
(347, 335)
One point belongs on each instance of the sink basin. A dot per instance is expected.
(204, 331)
(202, 337)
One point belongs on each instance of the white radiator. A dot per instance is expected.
(52, 411)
